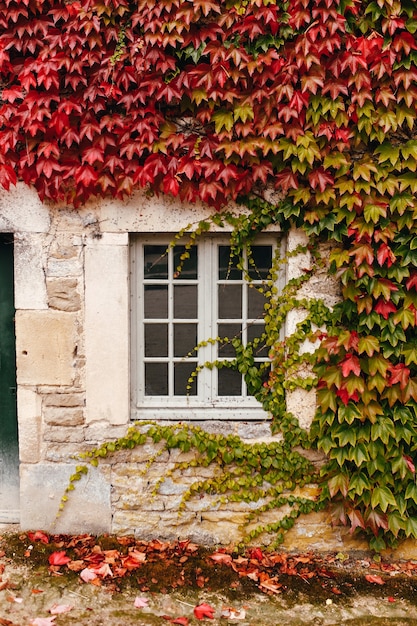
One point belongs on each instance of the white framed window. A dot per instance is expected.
(174, 311)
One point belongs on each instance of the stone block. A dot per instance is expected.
(64, 399)
(148, 526)
(88, 507)
(61, 268)
(63, 294)
(61, 452)
(30, 252)
(107, 332)
(132, 501)
(29, 411)
(102, 431)
(302, 404)
(60, 416)
(45, 345)
(22, 210)
(232, 517)
(64, 434)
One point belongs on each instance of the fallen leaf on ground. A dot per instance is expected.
(220, 557)
(204, 610)
(270, 584)
(5, 622)
(140, 602)
(257, 554)
(39, 536)
(87, 575)
(231, 613)
(373, 578)
(76, 566)
(58, 558)
(57, 609)
(391, 599)
(183, 621)
(43, 621)
(34, 591)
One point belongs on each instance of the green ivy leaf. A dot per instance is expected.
(382, 497)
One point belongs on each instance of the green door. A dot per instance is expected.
(9, 452)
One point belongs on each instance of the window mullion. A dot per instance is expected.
(170, 323)
(204, 324)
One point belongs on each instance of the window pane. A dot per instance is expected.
(229, 382)
(156, 379)
(185, 338)
(155, 262)
(188, 267)
(231, 331)
(185, 301)
(256, 330)
(230, 301)
(226, 269)
(156, 340)
(182, 373)
(156, 301)
(262, 257)
(256, 303)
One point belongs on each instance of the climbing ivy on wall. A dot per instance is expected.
(228, 100)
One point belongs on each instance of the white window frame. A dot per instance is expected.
(204, 406)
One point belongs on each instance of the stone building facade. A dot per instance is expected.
(72, 298)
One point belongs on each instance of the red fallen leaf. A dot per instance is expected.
(184, 621)
(58, 558)
(204, 610)
(57, 609)
(336, 591)
(37, 591)
(391, 599)
(372, 578)
(220, 557)
(76, 566)
(39, 536)
(269, 584)
(256, 554)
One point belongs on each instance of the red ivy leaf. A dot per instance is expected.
(384, 308)
(204, 610)
(7, 176)
(350, 364)
(410, 464)
(58, 558)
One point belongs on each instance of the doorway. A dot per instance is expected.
(9, 450)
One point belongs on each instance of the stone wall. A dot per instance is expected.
(72, 339)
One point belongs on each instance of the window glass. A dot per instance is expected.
(185, 269)
(156, 340)
(229, 382)
(156, 301)
(156, 379)
(230, 301)
(185, 339)
(227, 266)
(155, 262)
(185, 301)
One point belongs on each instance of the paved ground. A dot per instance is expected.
(153, 583)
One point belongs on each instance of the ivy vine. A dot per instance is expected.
(223, 101)
(270, 475)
